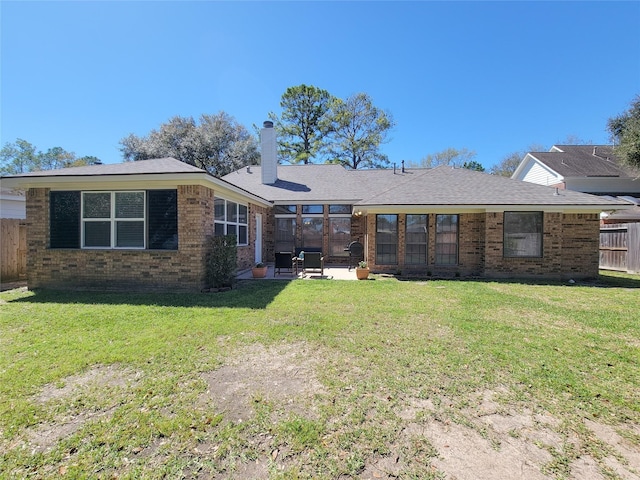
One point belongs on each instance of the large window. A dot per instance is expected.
(386, 239)
(339, 235)
(339, 229)
(231, 219)
(118, 219)
(312, 232)
(113, 219)
(285, 240)
(416, 240)
(446, 239)
(522, 234)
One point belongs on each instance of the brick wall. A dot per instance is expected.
(117, 270)
(570, 248)
(580, 248)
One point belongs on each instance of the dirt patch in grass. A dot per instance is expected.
(480, 435)
(100, 376)
(493, 440)
(284, 375)
(100, 379)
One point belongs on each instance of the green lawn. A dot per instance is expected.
(147, 386)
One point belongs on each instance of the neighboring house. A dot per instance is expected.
(12, 204)
(144, 224)
(583, 168)
(594, 169)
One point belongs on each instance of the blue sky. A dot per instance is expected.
(494, 77)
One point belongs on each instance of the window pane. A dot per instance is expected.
(97, 234)
(312, 232)
(219, 229)
(310, 209)
(96, 205)
(339, 236)
(285, 235)
(283, 209)
(219, 206)
(339, 208)
(523, 234)
(232, 212)
(416, 239)
(129, 204)
(386, 239)
(242, 235)
(446, 239)
(130, 234)
(242, 214)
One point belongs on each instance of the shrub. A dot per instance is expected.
(221, 261)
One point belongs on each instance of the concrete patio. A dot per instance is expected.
(335, 272)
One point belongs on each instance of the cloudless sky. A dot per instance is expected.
(494, 77)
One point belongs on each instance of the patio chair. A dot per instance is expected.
(283, 260)
(313, 261)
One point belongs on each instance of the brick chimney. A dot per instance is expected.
(268, 150)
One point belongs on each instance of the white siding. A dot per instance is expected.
(12, 204)
(13, 208)
(535, 172)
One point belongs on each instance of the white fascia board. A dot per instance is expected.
(383, 209)
(452, 209)
(134, 181)
(556, 208)
(316, 202)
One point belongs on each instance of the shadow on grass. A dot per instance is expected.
(245, 294)
(604, 280)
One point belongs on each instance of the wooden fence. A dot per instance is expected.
(13, 249)
(620, 247)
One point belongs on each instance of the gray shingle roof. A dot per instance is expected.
(155, 166)
(438, 186)
(584, 161)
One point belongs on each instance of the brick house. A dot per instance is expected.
(143, 225)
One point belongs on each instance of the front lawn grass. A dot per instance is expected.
(570, 351)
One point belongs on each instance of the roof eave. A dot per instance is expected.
(469, 208)
(132, 180)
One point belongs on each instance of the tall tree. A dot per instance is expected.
(22, 157)
(217, 143)
(449, 156)
(303, 127)
(625, 132)
(358, 130)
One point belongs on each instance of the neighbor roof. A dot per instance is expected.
(438, 186)
(583, 161)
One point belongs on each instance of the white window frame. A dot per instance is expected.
(113, 220)
(226, 223)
